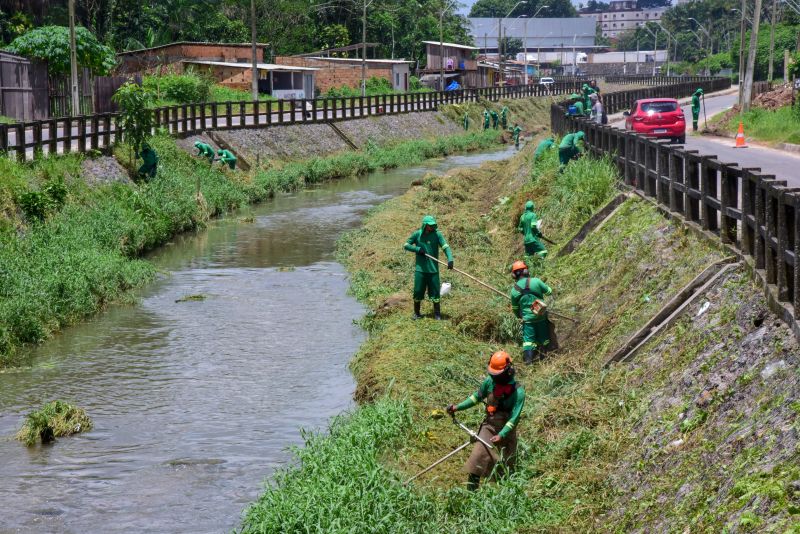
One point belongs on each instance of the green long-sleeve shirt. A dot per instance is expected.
(512, 403)
(542, 147)
(527, 226)
(571, 141)
(430, 242)
(226, 156)
(524, 293)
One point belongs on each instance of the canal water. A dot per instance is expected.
(195, 403)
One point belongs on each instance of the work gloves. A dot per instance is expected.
(450, 264)
(421, 251)
(451, 409)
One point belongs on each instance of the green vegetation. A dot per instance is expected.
(770, 126)
(66, 249)
(179, 88)
(375, 87)
(577, 421)
(6, 120)
(54, 420)
(51, 44)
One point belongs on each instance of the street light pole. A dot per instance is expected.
(254, 85)
(772, 40)
(741, 54)
(441, 49)
(751, 58)
(73, 62)
(525, 45)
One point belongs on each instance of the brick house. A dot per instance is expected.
(171, 57)
(336, 72)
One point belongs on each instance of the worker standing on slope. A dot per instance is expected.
(529, 228)
(570, 148)
(205, 150)
(495, 119)
(515, 131)
(696, 107)
(149, 162)
(504, 117)
(504, 402)
(587, 92)
(466, 120)
(527, 304)
(227, 157)
(485, 119)
(427, 240)
(544, 144)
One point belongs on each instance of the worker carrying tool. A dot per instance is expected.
(528, 226)
(486, 118)
(495, 119)
(515, 131)
(205, 150)
(570, 148)
(544, 145)
(696, 107)
(227, 157)
(504, 117)
(504, 400)
(527, 303)
(149, 162)
(425, 242)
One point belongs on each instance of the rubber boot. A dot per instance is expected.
(473, 481)
(417, 314)
(694, 126)
(527, 356)
(437, 311)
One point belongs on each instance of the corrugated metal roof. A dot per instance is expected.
(540, 32)
(453, 45)
(260, 66)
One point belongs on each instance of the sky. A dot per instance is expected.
(466, 5)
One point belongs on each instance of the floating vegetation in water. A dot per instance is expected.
(54, 420)
(286, 269)
(192, 298)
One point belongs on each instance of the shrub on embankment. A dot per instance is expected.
(576, 419)
(69, 249)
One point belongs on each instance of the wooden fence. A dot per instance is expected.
(753, 212)
(92, 132)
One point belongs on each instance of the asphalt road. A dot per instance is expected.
(784, 165)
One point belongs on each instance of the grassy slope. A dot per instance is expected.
(769, 126)
(577, 417)
(83, 254)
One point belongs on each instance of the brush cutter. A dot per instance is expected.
(472, 434)
(487, 286)
(440, 460)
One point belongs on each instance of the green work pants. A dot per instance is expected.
(429, 281)
(535, 247)
(566, 154)
(535, 334)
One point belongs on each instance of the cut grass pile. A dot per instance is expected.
(54, 420)
(66, 249)
(577, 417)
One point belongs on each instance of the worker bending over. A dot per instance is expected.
(571, 147)
(528, 226)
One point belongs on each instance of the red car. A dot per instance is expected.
(657, 117)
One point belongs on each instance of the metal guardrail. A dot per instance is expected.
(92, 132)
(753, 212)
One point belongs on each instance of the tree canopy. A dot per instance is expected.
(503, 8)
(51, 44)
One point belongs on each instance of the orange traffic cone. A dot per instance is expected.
(740, 137)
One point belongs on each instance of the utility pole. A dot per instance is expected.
(254, 86)
(637, 56)
(364, 49)
(741, 54)
(525, 46)
(751, 58)
(441, 48)
(73, 62)
(772, 40)
(499, 50)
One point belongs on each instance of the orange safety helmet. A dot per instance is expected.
(499, 362)
(518, 265)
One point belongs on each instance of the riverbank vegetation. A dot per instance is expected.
(67, 249)
(53, 420)
(581, 422)
(773, 126)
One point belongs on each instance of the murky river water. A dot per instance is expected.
(195, 403)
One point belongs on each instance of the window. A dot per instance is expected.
(658, 107)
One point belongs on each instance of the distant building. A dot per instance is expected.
(554, 37)
(459, 64)
(622, 16)
(337, 72)
(172, 56)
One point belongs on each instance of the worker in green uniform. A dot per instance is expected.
(426, 241)
(570, 148)
(544, 144)
(486, 119)
(466, 120)
(587, 92)
(696, 107)
(527, 304)
(504, 117)
(205, 150)
(504, 400)
(150, 161)
(226, 156)
(495, 119)
(575, 100)
(529, 228)
(515, 131)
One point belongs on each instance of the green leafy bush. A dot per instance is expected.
(181, 88)
(51, 44)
